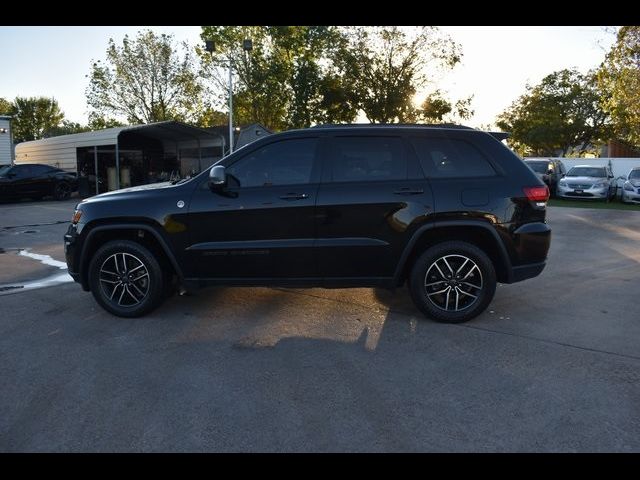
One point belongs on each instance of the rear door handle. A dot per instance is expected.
(294, 196)
(408, 191)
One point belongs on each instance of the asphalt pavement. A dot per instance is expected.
(552, 365)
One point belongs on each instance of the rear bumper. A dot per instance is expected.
(523, 272)
(531, 243)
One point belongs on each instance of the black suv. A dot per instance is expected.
(450, 210)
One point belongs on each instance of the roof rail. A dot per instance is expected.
(432, 125)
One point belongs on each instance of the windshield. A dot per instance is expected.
(4, 169)
(538, 167)
(587, 172)
(634, 174)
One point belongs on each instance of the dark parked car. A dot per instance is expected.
(549, 171)
(449, 210)
(36, 181)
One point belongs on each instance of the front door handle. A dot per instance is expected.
(408, 191)
(294, 196)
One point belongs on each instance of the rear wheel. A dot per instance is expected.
(453, 282)
(126, 279)
(61, 191)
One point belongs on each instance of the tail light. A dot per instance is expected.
(537, 194)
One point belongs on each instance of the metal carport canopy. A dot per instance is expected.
(168, 130)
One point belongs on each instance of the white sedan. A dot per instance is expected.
(631, 187)
(586, 181)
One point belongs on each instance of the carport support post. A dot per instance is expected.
(117, 165)
(95, 166)
(230, 107)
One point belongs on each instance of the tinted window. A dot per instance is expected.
(448, 158)
(22, 171)
(288, 162)
(40, 169)
(367, 159)
(587, 172)
(539, 167)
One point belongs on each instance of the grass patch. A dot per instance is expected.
(601, 204)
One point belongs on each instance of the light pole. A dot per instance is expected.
(210, 47)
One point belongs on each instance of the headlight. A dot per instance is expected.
(628, 187)
(600, 185)
(563, 184)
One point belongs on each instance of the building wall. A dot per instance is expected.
(5, 142)
(61, 151)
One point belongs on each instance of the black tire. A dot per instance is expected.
(479, 281)
(137, 294)
(62, 191)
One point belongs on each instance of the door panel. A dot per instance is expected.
(262, 224)
(362, 224)
(22, 183)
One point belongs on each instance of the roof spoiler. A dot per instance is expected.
(499, 135)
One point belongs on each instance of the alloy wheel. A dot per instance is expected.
(124, 279)
(453, 283)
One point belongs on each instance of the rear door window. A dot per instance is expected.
(367, 159)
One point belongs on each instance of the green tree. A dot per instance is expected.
(437, 109)
(385, 67)
(5, 106)
(285, 81)
(99, 122)
(560, 114)
(146, 79)
(34, 116)
(66, 128)
(619, 81)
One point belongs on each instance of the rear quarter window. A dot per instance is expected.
(451, 158)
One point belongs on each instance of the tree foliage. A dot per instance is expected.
(66, 127)
(560, 114)
(619, 81)
(99, 122)
(297, 76)
(437, 109)
(33, 117)
(5, 106)
(384, 67)
(285, 81)
(146, 79)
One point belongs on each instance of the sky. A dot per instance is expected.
(497, 62)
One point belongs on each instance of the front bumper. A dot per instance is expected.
(571, 192)
(70, 252)
(632, 197)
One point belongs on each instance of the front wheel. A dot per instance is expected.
(453, 282)
(62, 191)
(126, 279)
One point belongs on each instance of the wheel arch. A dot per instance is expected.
(477, 233)
(140, 233)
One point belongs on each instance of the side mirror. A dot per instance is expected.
(217, 177)
(550, 172)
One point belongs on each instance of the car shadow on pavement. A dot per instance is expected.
(254, 318)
